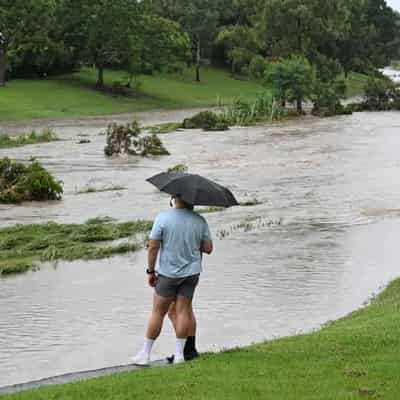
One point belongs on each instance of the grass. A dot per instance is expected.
(45, 136)
(74, 96)
(23, 246)
(356, 357)
(91, 189)
(167, 127)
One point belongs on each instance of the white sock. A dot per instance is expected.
(147, 346)
(180, 346)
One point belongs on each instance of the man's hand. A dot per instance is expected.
(152, 280)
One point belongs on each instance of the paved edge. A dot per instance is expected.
(75, 377)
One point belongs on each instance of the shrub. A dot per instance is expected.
(207, 120)
(127, 139)
(19, 182)
(326, 98)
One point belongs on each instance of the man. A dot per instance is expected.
(182, 236)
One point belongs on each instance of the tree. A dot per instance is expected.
(109, 33)
(291, 79)
(199, 18)
(3, 59)
(241, 44)
(27, 42)
(157, 42)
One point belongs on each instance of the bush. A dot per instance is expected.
(207, 120)
(257, 67)
(127, 139)
(19, 182)
(326, 98)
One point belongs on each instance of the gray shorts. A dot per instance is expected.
(174, 287)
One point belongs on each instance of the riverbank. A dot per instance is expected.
(74, 96)
(353, 358)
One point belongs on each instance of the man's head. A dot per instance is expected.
(177, 202)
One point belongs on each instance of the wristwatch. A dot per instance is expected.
(148, 272)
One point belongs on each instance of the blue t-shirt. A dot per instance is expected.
(181, 232)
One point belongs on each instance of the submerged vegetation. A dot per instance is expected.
(45, 136)
(179, 168)
(206, 120)
(128, 139)
(380, 95)
(166, 127)
(19, 182)
(90, 189)
(23, 246)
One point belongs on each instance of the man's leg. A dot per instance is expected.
(190, 351)
(160, 308)
(184, 319)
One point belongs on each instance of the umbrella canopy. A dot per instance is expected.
(194, 189)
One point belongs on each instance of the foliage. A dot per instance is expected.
(179, 168)
(19, 182)
(241, 44)
(327, 97)
(127, 139)
(22, 246)
(257, 67)
(47, 135)
(207, 120)
(346, 359)
(291, 79)
(243, 112)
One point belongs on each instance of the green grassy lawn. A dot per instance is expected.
(74, 95)
(357, 357)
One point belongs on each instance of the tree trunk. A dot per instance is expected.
(100, 76)
(3, 66)
(198, 59)
(299, 105)
(299, 37)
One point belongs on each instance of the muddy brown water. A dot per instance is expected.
(324, 240)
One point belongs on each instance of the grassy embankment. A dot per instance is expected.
(357, 357)
(23, 246)
(74, 95)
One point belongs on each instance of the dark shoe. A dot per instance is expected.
(170, 359)
(191, 355)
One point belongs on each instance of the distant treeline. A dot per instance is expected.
(42, 37)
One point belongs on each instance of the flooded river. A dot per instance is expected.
(323, 241)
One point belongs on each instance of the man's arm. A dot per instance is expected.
(207, 246)
(154, 248)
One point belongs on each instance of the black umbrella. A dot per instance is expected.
(194, 189)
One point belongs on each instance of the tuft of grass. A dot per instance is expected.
(250, 203)
(356, 357)
(22, 246)
(45, 136)
(179, 168)
(91, 189)
(167, 127)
